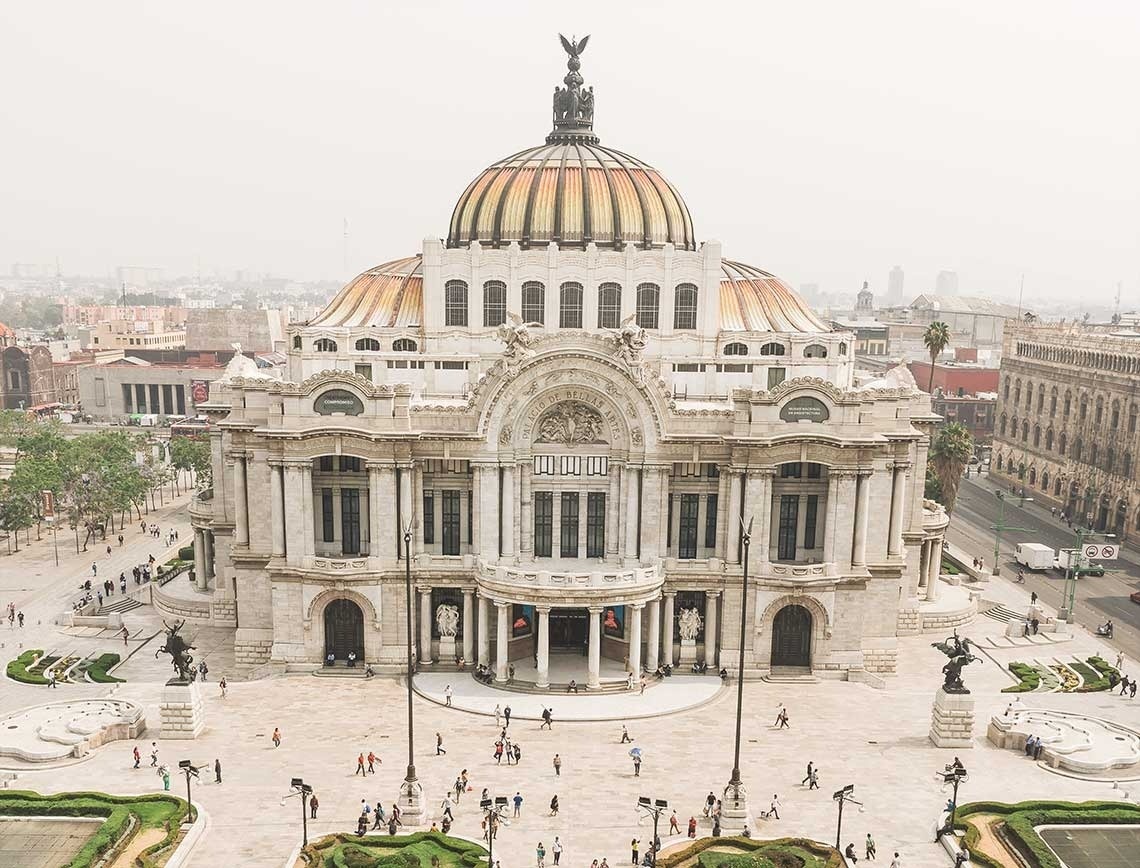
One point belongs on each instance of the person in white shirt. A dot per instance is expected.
(896, 862)
(556, 849)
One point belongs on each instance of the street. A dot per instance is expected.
(1099, 599)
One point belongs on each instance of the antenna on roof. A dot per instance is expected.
(1020, 293)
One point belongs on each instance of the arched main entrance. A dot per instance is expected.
(344, 629)
(791, 637)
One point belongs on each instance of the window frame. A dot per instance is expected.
(494, 309)
(529, 308)
(682, 292)
(647, 308)
(455, 304)
(570, 309)
(606, 307)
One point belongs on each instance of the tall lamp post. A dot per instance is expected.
(300, 788)
(1002, 526)
(847, 794)
(495, 812)
(955, 774)
(655, 809)
(410, 790)
(736, 794)
(191, 771)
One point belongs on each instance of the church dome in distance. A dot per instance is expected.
(571, 190)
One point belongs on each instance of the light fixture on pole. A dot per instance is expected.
(300, 788)
(1000, 526)
(191, 771)
(844, 795)
(495, 812)
(736, 794)
(411, 792)
(954, 775)
(1073, 572)
(654, 808)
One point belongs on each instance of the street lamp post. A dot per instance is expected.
(1002, 526)
(736, 794)
(191, 771)
(494, 812)
(410, 789)
(301, 789)
(655, 809)
(841, 796)
(955, 774)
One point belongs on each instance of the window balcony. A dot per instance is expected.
(569, 582)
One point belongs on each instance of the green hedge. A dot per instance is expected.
(186, 553)
(376, 851)
(782, 851)
(1028, 678)
(97, 671)
(18, 668)
(1093, 681)
(152, 811)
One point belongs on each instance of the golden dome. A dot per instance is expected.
(387, 296)
(752, 300)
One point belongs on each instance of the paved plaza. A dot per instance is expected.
(874, 738)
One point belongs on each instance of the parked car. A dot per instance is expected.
(1067, 556)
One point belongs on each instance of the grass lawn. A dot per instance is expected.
(381, 851)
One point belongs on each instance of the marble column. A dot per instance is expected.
(425, 625)
(711, 628)
(862, 516)
(831, 510)
(898, 495)
(922, 564)
(484, 631)
(507, 527)
(277, 509)
(593, 676)
(296, 522)
(209, 540)
(375, 527)
(526, 514)
(631, 506)
(613, 513)
(200, 581)
(764, 520)
(503, 624)
(308, 531)
(417, 507)
(733, 549)
(468, 626)
(667, 630)
(241, 508)
(934, 570)
(653, 636)
(722, 514)
(635, 640)
(391, 536)
(543, 646)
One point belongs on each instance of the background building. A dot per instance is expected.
(973, 322)
(946, 283)
(895, 288)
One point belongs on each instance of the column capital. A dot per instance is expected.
(900, 465)
(760, 471)
(712, 594)
(668, 595)
(423, 589)
(637, 607)
(596, 610)
(379, 464)
(296, 463)
(543, 610)
(275, 462)
(501, 604)
(468, 592)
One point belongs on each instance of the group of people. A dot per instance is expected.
(14, 617)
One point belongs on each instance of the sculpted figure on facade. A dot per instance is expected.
(570, 423)
(517, 337)
(689, 623)
(629, 341)
(447, 620)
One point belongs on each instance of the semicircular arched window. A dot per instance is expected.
(368, 345)
(736, 349)
(296, 342)
(815, 351)
(404, 345)
(324, 345)
(773, 349)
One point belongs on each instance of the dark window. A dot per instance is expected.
(324, 345)
(809, 521)
(296, 342)
(685, 306)
(596, 524)
(450, 514)
(350, 521)
(429, 518)
(404, 345)
(710, 521)
(648, 301)
(776, 376)
(455, 303)
(494, 303)
(543, 522)
(687, 526)
(534, 302)
(349, 464)
(609, 306)
(363, 371)
(569, 547)
(736, 349)
(368, 345)
(789, 519)
(773, 349)
(815, 351)
(791, 470)
(570, 306)
(813, 470)
(327, 534)
(470, 515)
(325, 463)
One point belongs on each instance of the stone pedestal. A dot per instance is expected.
(688, 652)
(952, 720)
(413, 810)
(734, 813)
(446, 649)
(182, 712)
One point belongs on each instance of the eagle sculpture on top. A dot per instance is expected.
(573, 46)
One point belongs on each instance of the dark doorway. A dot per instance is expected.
(569, 629)
(344, 629)
(791, 637)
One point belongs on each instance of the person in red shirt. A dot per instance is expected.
(692, 827)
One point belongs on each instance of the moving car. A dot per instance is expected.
(1083, 568)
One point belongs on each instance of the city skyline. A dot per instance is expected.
(254, 160)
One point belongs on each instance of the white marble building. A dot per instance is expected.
(569, 405)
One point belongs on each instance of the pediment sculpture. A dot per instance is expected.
(517, 337)
(629, 341)
(570, 423)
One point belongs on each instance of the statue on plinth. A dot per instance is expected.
(689, 623)
(447, 620)
(179, 650)
(958, 650)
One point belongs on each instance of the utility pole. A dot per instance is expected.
(1073, 572)
(1000, 527)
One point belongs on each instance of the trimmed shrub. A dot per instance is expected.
(1029, 678)
(186, 553)
(18, 668)
(97, 671)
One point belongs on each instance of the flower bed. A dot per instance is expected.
(381, 851)
(781, 852)
(1069, 679)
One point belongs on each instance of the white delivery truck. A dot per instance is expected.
(1034, 556)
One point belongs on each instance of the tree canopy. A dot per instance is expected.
(935, 338)
(950, 452)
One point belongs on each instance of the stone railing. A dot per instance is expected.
(786, 572)
(604, 577)
(201, 504)
(341, 565)
(934, 516)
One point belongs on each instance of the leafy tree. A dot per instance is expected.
(935, 338)
(950, 452)
(193, 454)
(933, 487)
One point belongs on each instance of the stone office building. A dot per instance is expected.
(559, 417)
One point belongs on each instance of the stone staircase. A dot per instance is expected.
(1004, 614)
(122, 604)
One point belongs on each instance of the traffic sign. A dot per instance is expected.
(1101, 551)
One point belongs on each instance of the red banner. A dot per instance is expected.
(199, 391)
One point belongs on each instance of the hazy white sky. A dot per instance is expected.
(824, 141)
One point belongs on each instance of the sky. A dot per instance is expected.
(821, 141)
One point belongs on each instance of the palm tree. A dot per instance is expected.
(936, 338)
(950, 451)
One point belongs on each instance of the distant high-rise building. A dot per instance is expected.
(895, 286)
(946, 283)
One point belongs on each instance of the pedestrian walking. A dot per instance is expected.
(633, 852)
(458, 787)
(625, 739)
(774, 807)
(499, 753)
(222, 686)
(782, 718)
(674, 827)
(203, 670)
(446, 806)
(439, 745)
(540, 854)
(498, 716)
(165, 775)
(554, 806)
(125, 633)
(813, 782)
(313, 805)
(869, 847)
(692, 827)
(507, 716)
(372, 759)
(1033, 599)
(20, 618)
(637, 765)
(710, 800)
(557, 765)
(447, 696)
(276, 737)
(518, 803)
(896, 862)
(217, 771)
(359, 765)
(137, 756)
(518, 753)
(807, 777)
(547, 719)
(556, 849)
(153, 754)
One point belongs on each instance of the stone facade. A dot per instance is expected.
(952, 720)
(182, 711)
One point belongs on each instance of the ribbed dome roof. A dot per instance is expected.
(572, 193)
(752, 300)
(387, 296)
